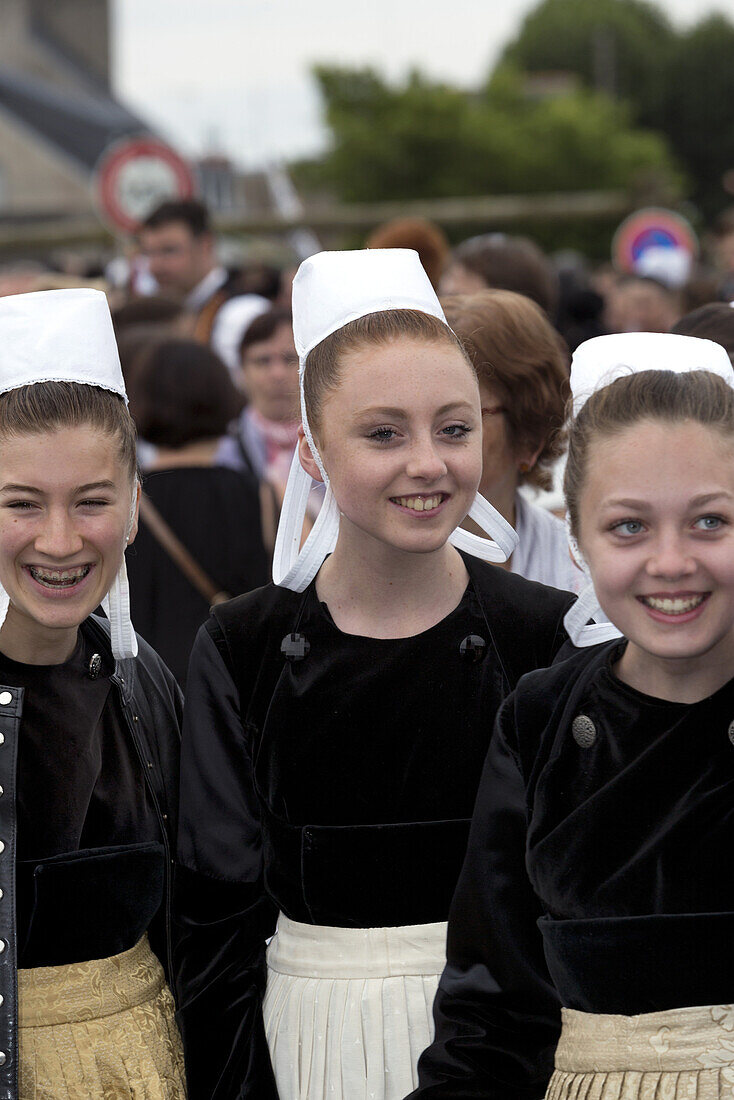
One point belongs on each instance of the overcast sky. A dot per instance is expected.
(233, 75)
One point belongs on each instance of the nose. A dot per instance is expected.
(425, 461)
(670, 557)
(57, 537)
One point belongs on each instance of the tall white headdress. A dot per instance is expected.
(330, 290)
(596, 364)
(67, 336)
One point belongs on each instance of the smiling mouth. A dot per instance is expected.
(419, 502)
(674, 605)
(58, 578)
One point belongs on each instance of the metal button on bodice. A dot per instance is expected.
(2, 846)
(5, 698)
(3, 945)
(3, 1058)
(583, 730)
(95, 664)
(731, 732)
(473, 648)
(295, 647)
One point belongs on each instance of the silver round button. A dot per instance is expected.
(2, 999)
(3, 1058)
(2, 893)
(731, 732)
(2, 738)
(3, 945)
(584, 731)
(5, 698)
(2, 846)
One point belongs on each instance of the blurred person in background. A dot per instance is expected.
(723, 250)
(504, 263)
(427, 239)
(714, 321)
(179, 246)
(263, 439)
(182, 399)
(639, 303)
(523, 370)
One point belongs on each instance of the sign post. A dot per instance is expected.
(133, 176)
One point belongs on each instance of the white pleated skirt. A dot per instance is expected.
(348, 1011)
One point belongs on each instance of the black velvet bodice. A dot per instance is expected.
(332, 777)
(597, 874)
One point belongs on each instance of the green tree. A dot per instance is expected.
(421, 139)
(698, 113)
(622, 47)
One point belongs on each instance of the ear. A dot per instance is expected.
(526, 457)
(306, 458)
(133, 529)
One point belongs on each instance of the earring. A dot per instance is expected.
(525, 467)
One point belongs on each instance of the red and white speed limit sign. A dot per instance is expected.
(134, 175)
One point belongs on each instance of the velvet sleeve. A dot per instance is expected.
(497, 1013)
(222, 916)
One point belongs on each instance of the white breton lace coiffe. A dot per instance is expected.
(67, 336)
(330, 290)
(596, 364)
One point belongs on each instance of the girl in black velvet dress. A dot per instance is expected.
(337, 721)
(89, 728)
(596, 901)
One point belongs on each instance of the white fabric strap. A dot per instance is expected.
(295, 567)
(116, 605)
(503, 537)
(576, 621)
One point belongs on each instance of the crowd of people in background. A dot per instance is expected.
(208, 356)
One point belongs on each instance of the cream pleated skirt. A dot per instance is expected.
(683, 1054)
(348, 1010)
(99, 1030)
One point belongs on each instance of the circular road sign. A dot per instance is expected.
(653, 227)
(136, 174)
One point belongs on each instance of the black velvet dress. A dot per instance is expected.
(331, 777)
(598, 875)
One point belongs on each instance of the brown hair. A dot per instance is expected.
(47, 406)
(322, 365)
(516, 351)
(428, 240)
(511, 263)
(713, 321)
(660, 395)
(180, 392)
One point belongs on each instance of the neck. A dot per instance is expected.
(200, 453)
(28, 643)
(379, 592)
(678, 680)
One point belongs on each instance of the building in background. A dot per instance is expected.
(57, 110)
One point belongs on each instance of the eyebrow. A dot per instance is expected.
(397, 414)
(93, 486)
(696, 502)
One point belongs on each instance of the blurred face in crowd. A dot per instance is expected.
(458, 279)
(65, 518)
(178, 259)
(270, 375)
(500, 459)
(640, 305)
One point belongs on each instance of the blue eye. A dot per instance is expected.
(456, 431)
(709, 523)
(628, 527)
(382, 435)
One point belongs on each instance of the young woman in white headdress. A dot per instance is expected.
(89, 728)
(337, 720)
(596, 901)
